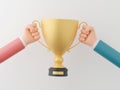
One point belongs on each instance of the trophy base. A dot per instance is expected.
(58, 71)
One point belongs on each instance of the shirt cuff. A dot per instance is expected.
(23, 42)
(95, 44)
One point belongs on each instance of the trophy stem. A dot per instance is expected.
(58, 61)
(58, 69)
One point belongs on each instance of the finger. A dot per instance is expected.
(34, 30)
(83, 35)
(84, 31)
(87, 30)
(84, 26)
(82, 39)
(37, 37)
(34, 25)
(35, 34)
(30, 28)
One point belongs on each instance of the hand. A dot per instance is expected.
(87, 35)
(31, 34)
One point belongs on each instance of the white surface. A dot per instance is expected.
(28, 70)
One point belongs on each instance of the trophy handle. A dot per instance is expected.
(39, 25)
(78, 41)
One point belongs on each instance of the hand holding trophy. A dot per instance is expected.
(59, 35)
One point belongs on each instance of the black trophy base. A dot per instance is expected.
(58, 71)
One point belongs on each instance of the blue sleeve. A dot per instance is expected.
(108, 52)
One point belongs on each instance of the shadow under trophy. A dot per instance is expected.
(59, 35)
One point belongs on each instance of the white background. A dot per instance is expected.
(28, 70)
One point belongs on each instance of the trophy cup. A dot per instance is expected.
(59, 35)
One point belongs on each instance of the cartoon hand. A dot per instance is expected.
(87, 35)
(31, 34)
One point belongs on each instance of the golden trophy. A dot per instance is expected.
(59, 35)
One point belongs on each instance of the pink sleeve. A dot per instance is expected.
(10, 49)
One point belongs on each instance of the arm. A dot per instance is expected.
(89, 38)
(30, 35)
(108, 52)
(10, 49)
